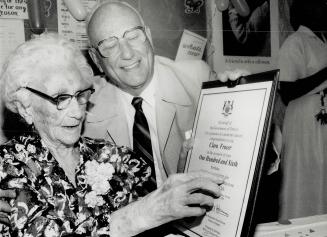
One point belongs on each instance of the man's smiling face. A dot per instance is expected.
(131, 68)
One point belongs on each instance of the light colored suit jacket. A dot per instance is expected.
(176, 96)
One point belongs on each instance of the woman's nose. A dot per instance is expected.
(76, 110)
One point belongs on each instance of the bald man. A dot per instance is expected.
(121, 47)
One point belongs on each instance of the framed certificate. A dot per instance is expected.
(231, 132)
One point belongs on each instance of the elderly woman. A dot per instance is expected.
(67, 184)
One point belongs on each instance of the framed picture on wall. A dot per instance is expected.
(244, 37)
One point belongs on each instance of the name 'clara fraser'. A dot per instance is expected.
(221, 146)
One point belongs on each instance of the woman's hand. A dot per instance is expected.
(181, 195)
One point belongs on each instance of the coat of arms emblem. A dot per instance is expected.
(193, 6)
(228, 107)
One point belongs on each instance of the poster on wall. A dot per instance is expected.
(244, 34)
(192, 46)
(16, 9)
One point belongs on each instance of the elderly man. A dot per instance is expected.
(122, 48)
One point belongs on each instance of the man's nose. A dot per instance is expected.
(126, 51)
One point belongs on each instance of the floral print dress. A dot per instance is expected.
(47, 204)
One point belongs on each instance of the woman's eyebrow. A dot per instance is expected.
(59, 92)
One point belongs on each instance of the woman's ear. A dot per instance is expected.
(25, 111)
(94, 56)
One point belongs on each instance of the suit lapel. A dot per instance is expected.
(117, 129)
(170, 98)
(107, 116)
(165, 118)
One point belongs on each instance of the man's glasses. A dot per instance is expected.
(62, 101)
(109, 47)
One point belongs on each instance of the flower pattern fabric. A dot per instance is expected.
(47, 204)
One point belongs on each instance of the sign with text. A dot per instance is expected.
(191, 46)
(13, 9)
(230, 131)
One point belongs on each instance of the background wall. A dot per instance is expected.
(166, 18)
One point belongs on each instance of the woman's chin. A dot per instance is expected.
(69, 141)
(71, 135)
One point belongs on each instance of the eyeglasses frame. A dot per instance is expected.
(54, 100)
(134, 28)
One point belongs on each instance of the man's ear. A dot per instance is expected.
(25, 111)
(148, 34)
(94, 55)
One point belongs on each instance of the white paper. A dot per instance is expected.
(69, 27)
(11, 35)
(228, 131)
(191, 46)
(13, 9)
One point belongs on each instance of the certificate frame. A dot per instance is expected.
(264, 84)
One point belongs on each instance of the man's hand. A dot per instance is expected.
(181, 195)
(232, 75)
(5, 208)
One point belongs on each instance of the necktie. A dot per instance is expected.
(142, 140)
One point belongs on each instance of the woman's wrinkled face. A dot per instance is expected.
(59, 127)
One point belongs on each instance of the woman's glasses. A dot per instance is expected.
(62, 101)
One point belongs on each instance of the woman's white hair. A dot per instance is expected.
(31, 59)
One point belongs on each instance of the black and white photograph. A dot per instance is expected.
(164, 118)
(246, 29)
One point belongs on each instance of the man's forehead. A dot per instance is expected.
(115, 15)
(111, 20)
